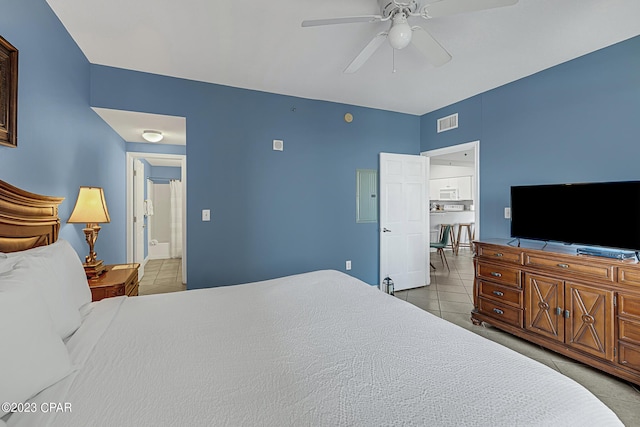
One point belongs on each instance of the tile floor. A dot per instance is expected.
(450, 296)
(162, 276)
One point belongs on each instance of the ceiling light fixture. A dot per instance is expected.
(400, 32)
(152, 135)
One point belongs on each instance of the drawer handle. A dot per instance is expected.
(494, 274)
(563, 265)
(498, 311)
(500, 294)
(498, 254)
(624, 362)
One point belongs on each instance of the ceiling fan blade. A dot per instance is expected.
(366, 53)
(435, 53)
(345, 20)
(452, 7)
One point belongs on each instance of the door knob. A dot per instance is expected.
(386, 230)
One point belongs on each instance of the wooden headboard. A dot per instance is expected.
(27, 220)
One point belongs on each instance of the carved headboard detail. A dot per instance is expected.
(27, 220)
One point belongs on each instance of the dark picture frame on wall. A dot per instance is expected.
(8, 94)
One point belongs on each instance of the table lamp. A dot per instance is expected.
(91, 209)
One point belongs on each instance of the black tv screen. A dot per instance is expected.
(595, 214)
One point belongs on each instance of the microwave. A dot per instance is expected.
(448, 194)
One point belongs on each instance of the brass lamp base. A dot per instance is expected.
(94, 269)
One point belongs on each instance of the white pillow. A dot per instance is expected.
(67, 269)
(33, 356)
(40, 273)
(6, 264)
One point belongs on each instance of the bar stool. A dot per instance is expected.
(470, 235)
(452, 236)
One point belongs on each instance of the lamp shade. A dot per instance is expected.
(90, 207)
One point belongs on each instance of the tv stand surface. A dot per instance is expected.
(584, 307)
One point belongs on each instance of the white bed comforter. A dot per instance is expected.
(317, 349)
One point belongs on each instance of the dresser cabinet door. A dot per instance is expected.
(589, 325)
(544, 298)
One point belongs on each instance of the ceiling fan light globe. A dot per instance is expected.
(400, 36)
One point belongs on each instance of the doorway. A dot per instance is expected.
(137, 212)
(454, 187)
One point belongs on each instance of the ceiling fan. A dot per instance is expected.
(400, 34)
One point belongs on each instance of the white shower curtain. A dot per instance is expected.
(175, 188)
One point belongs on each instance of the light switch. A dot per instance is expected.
(206, 214)
(507, 213)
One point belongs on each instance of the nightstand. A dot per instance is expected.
(117, 280)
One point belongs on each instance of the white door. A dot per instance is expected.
(138, 215)
(404, 220)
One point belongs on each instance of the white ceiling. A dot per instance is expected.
(163, 161)
(261, 45)
(130, 125)
(458, 158)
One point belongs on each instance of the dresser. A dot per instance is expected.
(584, 307)
(117, 280)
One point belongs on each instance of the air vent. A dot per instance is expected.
(448, 123)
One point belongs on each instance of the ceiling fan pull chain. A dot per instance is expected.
(394, 59)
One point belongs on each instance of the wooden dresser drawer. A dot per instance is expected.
(629, 331)
(115, 291)
(573, 267)
(499, 293)
(629, 305)
(629, 356)
(629, 276)
(500, 312)
(502, 274)
(131, 287)
(100, 293)
(499, 253)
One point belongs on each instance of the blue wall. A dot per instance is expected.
(62, 142)
(142, 147)
(273, 213)
(576, 122)
(277, 213)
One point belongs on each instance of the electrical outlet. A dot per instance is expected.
(348, 265)
(206, 215)
(507, 213)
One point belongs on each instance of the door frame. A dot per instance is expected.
(475, 146)
(130, 156)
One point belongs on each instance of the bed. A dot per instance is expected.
(320, 348)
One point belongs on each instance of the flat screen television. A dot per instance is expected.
(593, 214)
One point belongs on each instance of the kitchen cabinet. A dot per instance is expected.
(465, 188)
(460, 183)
